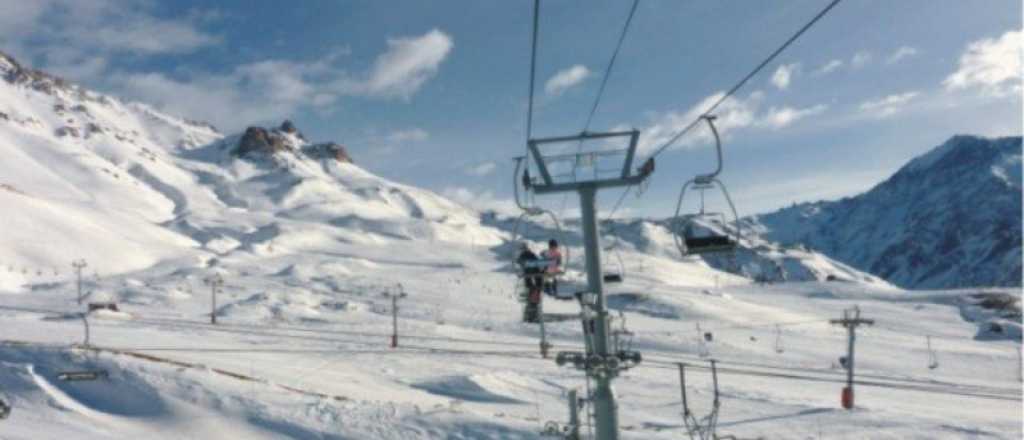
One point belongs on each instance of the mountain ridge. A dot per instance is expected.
(924, 226)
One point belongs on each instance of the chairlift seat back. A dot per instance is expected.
(74, 376)
(714, 243)
(612, 278)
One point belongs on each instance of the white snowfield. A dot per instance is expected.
(309, 251)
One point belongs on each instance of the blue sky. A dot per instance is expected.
(434, 93)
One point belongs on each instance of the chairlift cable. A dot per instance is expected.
(604, 83)
(611, 64)
(743, 81)
(533, 70)
(651, 364)
(891, 382)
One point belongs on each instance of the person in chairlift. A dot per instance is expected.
(553, 255)
(531, 266)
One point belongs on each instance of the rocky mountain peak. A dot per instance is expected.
(14, 73)
(287, 138)
(959, 151)
(329, 150)
(260, 140)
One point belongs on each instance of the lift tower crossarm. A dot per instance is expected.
(549, 186)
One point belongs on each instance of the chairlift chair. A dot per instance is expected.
(614, 270)
(685, 228)
(84, 375)
(521, 232)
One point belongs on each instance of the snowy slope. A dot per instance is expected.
(310, 246)
(949, 218)
(756, 258)
(73, 172)
(124, 186)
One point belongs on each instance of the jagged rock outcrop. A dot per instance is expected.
(261, 140)
(328, 150)
(288, 127)
(287, 138)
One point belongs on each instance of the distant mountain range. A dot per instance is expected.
(949, 218)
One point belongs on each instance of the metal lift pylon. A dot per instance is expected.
(601, 362)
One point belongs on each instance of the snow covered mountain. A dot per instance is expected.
(756, 258)
(949, 218)
(124, 186)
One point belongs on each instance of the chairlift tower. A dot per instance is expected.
(215, 282)
(851, 320)
(79, 264)
(601, 362)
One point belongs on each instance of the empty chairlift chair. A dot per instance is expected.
(613, 270)
(706, 232)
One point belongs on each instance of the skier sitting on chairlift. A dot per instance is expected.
(532, 271)
(553, 256)
(531, 266)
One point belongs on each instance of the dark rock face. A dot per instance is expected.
(268, 142)
(328, 150)
(67, 131)
(260, 140)
(15, 73)
(949, 218)
(288, 127)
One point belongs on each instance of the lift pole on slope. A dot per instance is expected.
(79, 265)
(215, 281)
(851, 320)
(395, 296)
(85, 323)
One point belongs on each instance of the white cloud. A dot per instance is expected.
(78, 39)
(771, 194)
(219, 99)
(480, 200)
(860, 59)
(147, 35)
(483, 169)
(405, 66)
(900, 54)
(410, 135)
(829, 67)
(248, 94)
(784, 75)
(565, 79)
(779, 117)
(992, 65)
(20, 14)
(888, 105)
(273, 89)
(733, 114)
(65, 32)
